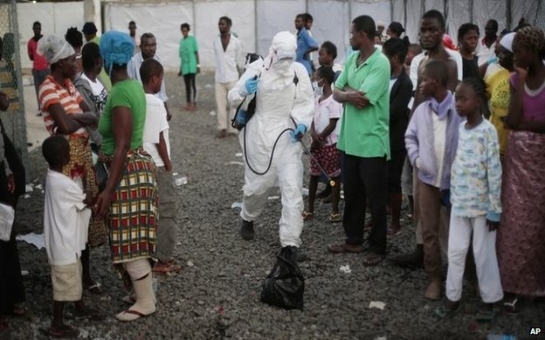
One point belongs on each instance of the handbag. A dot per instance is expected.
(101, 173)
(7, 215)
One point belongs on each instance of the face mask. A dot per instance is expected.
(283, 66)
(318, 90)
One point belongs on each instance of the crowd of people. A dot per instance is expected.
(456, 130)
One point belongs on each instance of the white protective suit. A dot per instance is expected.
(279, 100)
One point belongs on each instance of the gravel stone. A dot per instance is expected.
(216, 295)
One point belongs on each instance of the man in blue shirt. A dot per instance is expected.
(305, 43)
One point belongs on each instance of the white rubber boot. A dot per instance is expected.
(145, 300)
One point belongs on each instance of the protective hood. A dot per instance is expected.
(283, 47)
(280, 59)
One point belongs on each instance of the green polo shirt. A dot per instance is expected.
(364, 132)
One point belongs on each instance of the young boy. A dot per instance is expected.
(431, 140)
(65, 235)
(156, 143)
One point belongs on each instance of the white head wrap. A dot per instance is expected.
(54, 48)
(507, 41)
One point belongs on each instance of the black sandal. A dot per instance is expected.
(511, 306)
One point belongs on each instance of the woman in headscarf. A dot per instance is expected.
(497, 83)
(129, 197)
(66, 113)
(520, 237)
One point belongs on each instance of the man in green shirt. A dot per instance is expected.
(363, 87)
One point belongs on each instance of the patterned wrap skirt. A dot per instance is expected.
(81, 165)
(133, 214)
(328, 157)
(520, 236)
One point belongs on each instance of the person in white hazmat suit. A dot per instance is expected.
(284, 100)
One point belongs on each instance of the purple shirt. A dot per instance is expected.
(533, 101)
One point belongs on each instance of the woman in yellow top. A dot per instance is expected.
(498, 87)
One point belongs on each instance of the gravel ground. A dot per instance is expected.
(216, 295)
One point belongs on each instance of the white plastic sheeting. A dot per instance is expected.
(163, 20)
(256, 21)
(55, 18)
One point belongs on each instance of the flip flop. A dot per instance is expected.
(511, 306)
(372, 259)
(392, 232)
(307, 216)
(485, 315)
(166, 268)
(95, 288)
(131, 315)
(19, 309)
(63, 332)
(335, 218)
(445, 313)
(90, 314)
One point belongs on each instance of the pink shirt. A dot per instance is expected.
(533, 101)
(39, 62)
(326, 110)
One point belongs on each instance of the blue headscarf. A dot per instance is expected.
(116, 48)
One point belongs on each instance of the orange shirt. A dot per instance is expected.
(52, 93)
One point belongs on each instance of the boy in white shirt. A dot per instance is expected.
(65, 234)
(157, 144)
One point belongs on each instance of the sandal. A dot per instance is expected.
(63, 332)
(19, 309)
(510, 306)
(307, 216)
(90, 314)
(131, 315)
(95, 288)
(166, 268)
(335, 218)
(372, 259)
(393, 232)
(485, 314)
(447, 309)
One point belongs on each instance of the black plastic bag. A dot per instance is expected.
(284, 286)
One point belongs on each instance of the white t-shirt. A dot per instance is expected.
(66, 221)
(415, 64)
(325, 110)
(99, 92)
(156, 122)
(484, 53)
(439, 141)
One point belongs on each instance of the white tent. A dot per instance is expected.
(256, 21)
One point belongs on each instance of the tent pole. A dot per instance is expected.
(255, 26)
(405, 13)
(471, 14)
(508, 17)
(445, 13)
(391, 10)
(539, 4)
(306, 6)
(349, 10)
(194, 17)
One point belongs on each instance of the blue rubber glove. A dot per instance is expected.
(251, 85)
(298, 133)
(492, 60)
